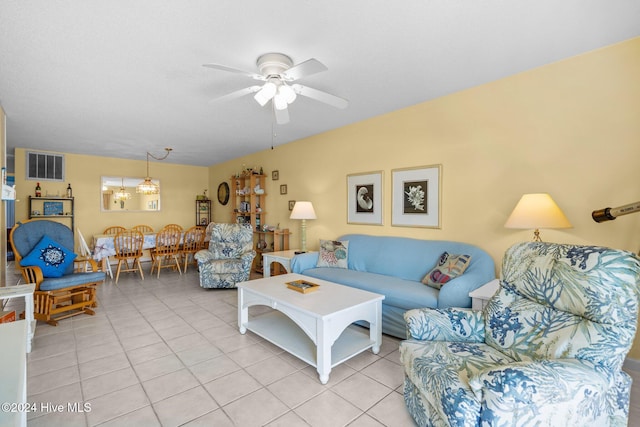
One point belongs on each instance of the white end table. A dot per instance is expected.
(480, 296)
(26, 292)
(281, 257)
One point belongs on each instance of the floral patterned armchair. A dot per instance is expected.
(228, 259)
(546, 350)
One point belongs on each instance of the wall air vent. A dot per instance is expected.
(45, 166)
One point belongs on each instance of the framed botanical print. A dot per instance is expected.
(416, 196)
(364, 198)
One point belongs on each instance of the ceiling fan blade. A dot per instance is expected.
(282, 116)
(235, 70)
(321, 96)
(237, 94)
(303, 69)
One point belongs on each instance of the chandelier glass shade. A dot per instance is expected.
(147, 186)
(122, 195)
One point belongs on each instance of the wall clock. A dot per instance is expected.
(223, 193)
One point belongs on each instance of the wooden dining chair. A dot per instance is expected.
(113, 230)
(173, 227)
(192, 242)
(166, 253)
(128, 246)
(143, 228)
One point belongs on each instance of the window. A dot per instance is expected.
(44, 166)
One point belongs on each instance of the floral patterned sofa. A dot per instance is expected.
(228, 259)
(547, 349)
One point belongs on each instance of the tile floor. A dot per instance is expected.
(165, 352)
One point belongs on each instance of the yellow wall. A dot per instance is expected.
(571, 129)
(179, 186)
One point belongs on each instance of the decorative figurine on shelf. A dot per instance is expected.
(69, 191)
(202, 196)
(38, 190)
(258, 190)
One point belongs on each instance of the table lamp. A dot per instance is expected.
(537, 211)
(303, 211)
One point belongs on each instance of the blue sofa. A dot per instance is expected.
(394, 267)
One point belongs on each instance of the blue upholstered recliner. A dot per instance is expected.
(547, 349)
(44, 255)
(229, 257)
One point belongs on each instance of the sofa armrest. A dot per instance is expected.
(452, 324)
(302, 262)
(203, 256)
(247, 257)
(86, 259)
(543, 392)
(455, 293)
(32, 274)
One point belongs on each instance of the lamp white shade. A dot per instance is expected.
(537, 210)
(303, 210)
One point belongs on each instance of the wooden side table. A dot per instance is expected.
(480, 296)
(26, 292)
(281, 257)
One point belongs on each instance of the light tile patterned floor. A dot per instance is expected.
(165, 352)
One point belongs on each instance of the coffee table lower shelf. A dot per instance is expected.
(278, 329)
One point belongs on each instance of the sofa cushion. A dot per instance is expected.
(52, 258)
(405, 294)
(448, 267)
(70, 280)
(333, 253)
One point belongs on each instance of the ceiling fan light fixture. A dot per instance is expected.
(279, 102)
(265, 94)
(287, 93)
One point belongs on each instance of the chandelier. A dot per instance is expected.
(122, 194)
(147, 186)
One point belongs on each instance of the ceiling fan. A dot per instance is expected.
(278, 74)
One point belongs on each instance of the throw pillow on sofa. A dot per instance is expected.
(52, 258)
(448, 267)
(333, 253)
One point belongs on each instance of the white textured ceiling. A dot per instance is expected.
(122, 77)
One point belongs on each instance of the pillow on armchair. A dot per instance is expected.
(52, 258)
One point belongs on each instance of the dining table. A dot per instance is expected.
(104, 247)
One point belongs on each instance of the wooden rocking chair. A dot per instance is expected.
(60, 291)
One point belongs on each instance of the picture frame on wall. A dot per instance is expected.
(292, 203)
(283, 189)
(275, 175)
(364, 198)
(416, 196)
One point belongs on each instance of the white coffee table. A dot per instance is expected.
(315, 327)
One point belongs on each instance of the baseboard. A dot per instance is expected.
(631, 364)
